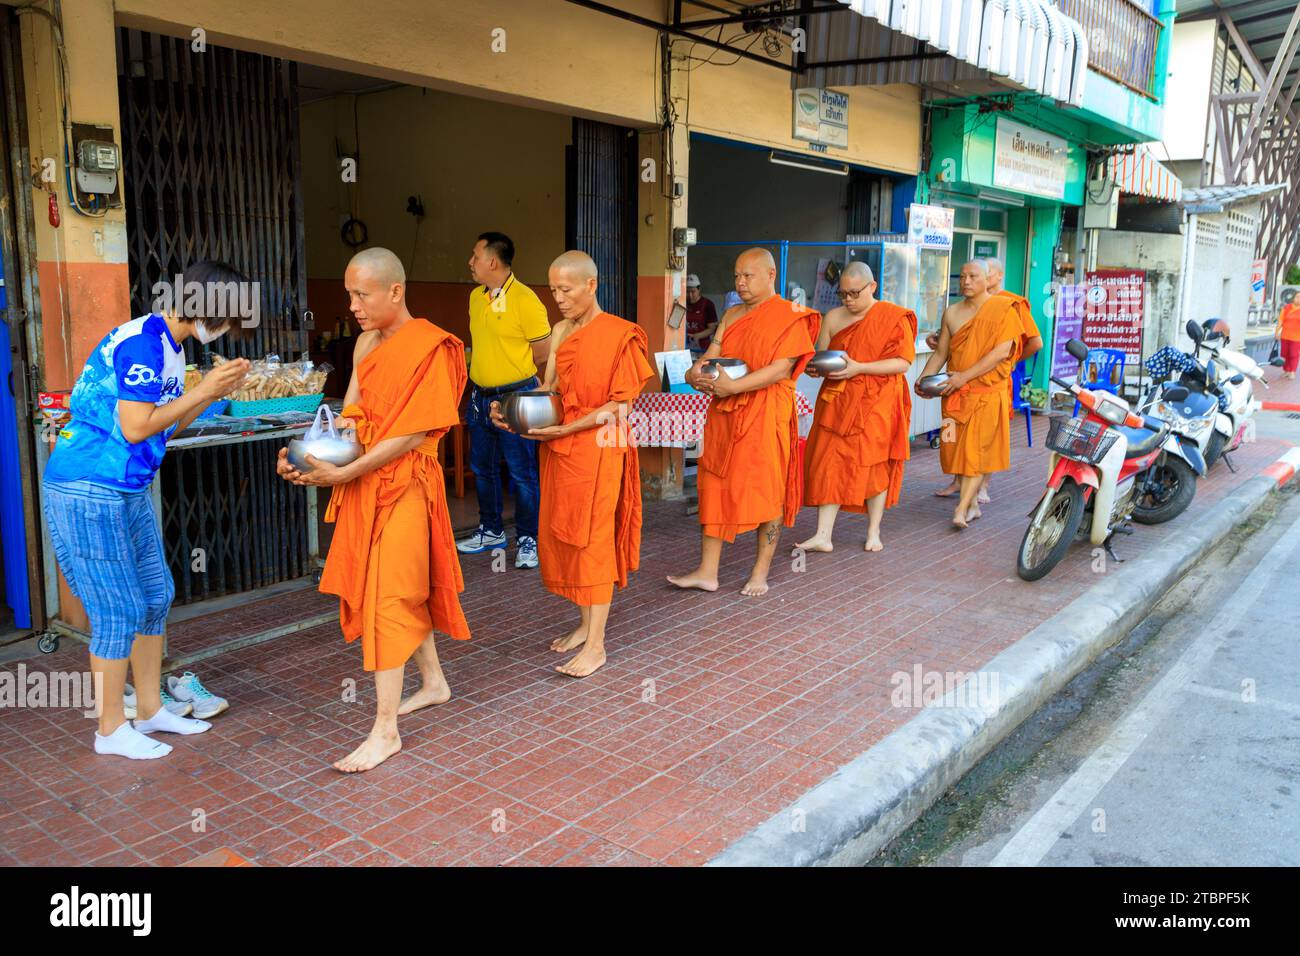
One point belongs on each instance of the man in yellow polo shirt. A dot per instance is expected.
(510, 339)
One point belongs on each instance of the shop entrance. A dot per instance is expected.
(285, 170)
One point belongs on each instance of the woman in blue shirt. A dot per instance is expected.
(129, 399)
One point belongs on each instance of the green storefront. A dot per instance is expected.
(1007, 178)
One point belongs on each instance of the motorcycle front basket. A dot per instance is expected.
(1080, 439)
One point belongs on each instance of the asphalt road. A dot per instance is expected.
(1180, 747)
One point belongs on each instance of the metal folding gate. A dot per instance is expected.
(212, 170)
(601, 209)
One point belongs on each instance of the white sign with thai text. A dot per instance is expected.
(1028, 160)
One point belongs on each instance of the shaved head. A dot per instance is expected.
(757, 256)
(755, 275)
(858, 271)
(974, 278)
(573, 279)
(857, 287)
(381, 264)
(376, 284)
(996, 272)
(577, 264)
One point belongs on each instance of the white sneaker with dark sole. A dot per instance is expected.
(526, 556)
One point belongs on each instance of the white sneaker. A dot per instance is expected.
(526, 557)
(187, 688)
(480, 541)
(126, 741)
(179, 708)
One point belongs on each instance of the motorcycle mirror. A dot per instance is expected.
(1194, 331)
(1237, 379)
(1178, 393)
(1077, 349)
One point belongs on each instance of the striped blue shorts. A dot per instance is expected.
(109, 548)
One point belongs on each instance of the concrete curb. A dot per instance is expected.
(848, 818)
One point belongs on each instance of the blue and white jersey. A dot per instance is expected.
(139, 362)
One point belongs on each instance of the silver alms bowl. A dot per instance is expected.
(827, 361)
(336, 451)
(932, 385)
(525, 411)
(734, 368)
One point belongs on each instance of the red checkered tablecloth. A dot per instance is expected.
(677, 418)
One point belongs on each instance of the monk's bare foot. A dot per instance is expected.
(429, 694)
(755, 587)
(815, 543)
(983, 497)
(973, 512)
(697, 580)
(873, 544)
(575, 638)
(948, 492)
(959, 520)
(587, 661)
(370, 754)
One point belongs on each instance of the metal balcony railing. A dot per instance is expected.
(1123, 38)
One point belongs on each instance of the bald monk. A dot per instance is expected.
(1031, 341)
(859, 439)
(589, 525)
(979, 342)
(749, 474)
(392, 561)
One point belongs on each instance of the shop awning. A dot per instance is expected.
(957, 46)
(1140, 174)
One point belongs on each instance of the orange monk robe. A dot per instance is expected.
(859, 438)
(589, 522)
(749, 469)
(393, 561)
(1026, 317)
(976, 432)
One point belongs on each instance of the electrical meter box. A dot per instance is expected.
(98, 164)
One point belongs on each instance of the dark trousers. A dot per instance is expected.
(487, 445)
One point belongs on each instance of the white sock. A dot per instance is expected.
(126, 741)
(169, 723)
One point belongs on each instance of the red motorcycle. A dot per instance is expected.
(1099, 465)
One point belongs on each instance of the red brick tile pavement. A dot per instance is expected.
(714, 712)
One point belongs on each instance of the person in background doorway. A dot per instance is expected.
(701, 316)
(510, 340)
(129, 399)
(1288, 335)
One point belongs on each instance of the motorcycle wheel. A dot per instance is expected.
(1045, 542)
(1177, 483)
(1214, 449)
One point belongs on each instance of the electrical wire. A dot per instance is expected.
(56, 34)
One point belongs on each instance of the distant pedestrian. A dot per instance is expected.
(701, 316)
(1288, 335)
